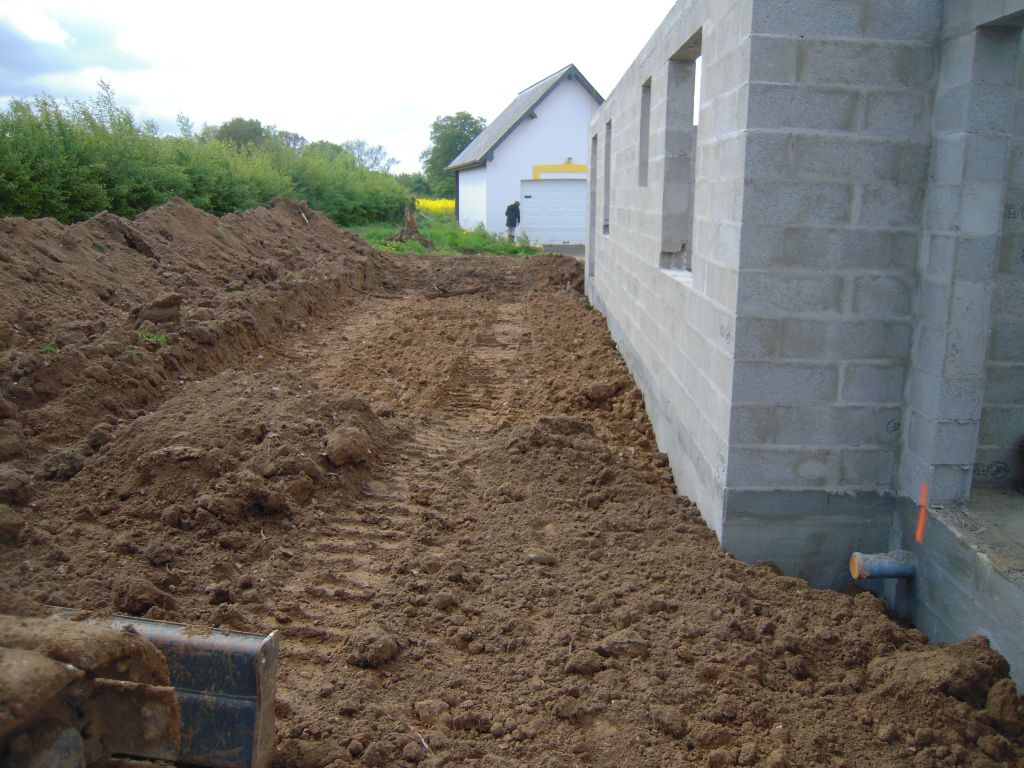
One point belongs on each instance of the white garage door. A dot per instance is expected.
(554, 210)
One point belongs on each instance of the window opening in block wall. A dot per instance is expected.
(698, 67)
(607, 177)
(592, 224)
(645, 132)
(682, 106)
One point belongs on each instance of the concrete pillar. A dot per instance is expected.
(973, 128)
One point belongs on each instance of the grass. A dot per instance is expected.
(400, 424)
(101, 247)
(447, 235)
(50, 348)
(157, 337)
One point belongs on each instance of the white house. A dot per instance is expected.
(534, 152)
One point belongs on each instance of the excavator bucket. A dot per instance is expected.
(225, 684)
(76, 693)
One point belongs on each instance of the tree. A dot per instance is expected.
(241, 132)
(373, 158)
(416, 183)
(292, 140)
(449, 135)
(186, 128)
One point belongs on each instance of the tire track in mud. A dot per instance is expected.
(355, 551)
(514, 537)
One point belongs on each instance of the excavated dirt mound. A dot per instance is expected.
(97, 318)
(435, 478)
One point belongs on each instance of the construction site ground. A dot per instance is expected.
(434, 476)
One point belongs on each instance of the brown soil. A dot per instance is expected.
(434, 476)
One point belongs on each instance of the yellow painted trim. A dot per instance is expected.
(558, 168)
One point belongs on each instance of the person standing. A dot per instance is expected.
(512, 220)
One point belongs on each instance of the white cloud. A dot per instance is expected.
(34, 23)
(380, 71)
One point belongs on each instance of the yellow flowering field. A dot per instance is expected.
(435, 207)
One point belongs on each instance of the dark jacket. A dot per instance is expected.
(512, 215)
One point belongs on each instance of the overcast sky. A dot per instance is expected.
(378, 70)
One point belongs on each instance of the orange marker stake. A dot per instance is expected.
(921, 514)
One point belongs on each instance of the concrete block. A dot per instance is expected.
(852, 62)
(727, 72)
(960, 398)
(1008, 301)
(756, 338)
(1011, 255)
(951, 105)
(969, 317)
(778, 294)
(767, 154)
(976, 258)
(1015, 172)
(942, 208)
(1006, 344)
(955, 442)
(956, 57)
(868, 468)
(941, 257)
(792, 203)
(881, 296)
(721, 286)
(773, 59)
(827, 426)
(891, 205)
(1004, 385)
(930, 350)
(981, 208)
(911, 471)
(825, 158)
(885, 19)
(996, 52)
(1001, 426)
(933, 299)
(844, 339)
(783, 468)
(829, 248)
(921, 436)
(950, 484)
(992, 109)
(801, 107)
(949, 153)
(987, 158)
(898, 113)
(873, 383)
(922, 391)
(763, 382)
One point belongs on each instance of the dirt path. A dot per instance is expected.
(490, 567)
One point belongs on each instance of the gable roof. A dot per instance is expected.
(479, 150)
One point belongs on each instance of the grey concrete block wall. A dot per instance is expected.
(674, 326)
(961, 348)
(852, 208)
(837, 165)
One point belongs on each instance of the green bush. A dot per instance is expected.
(71, 160)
